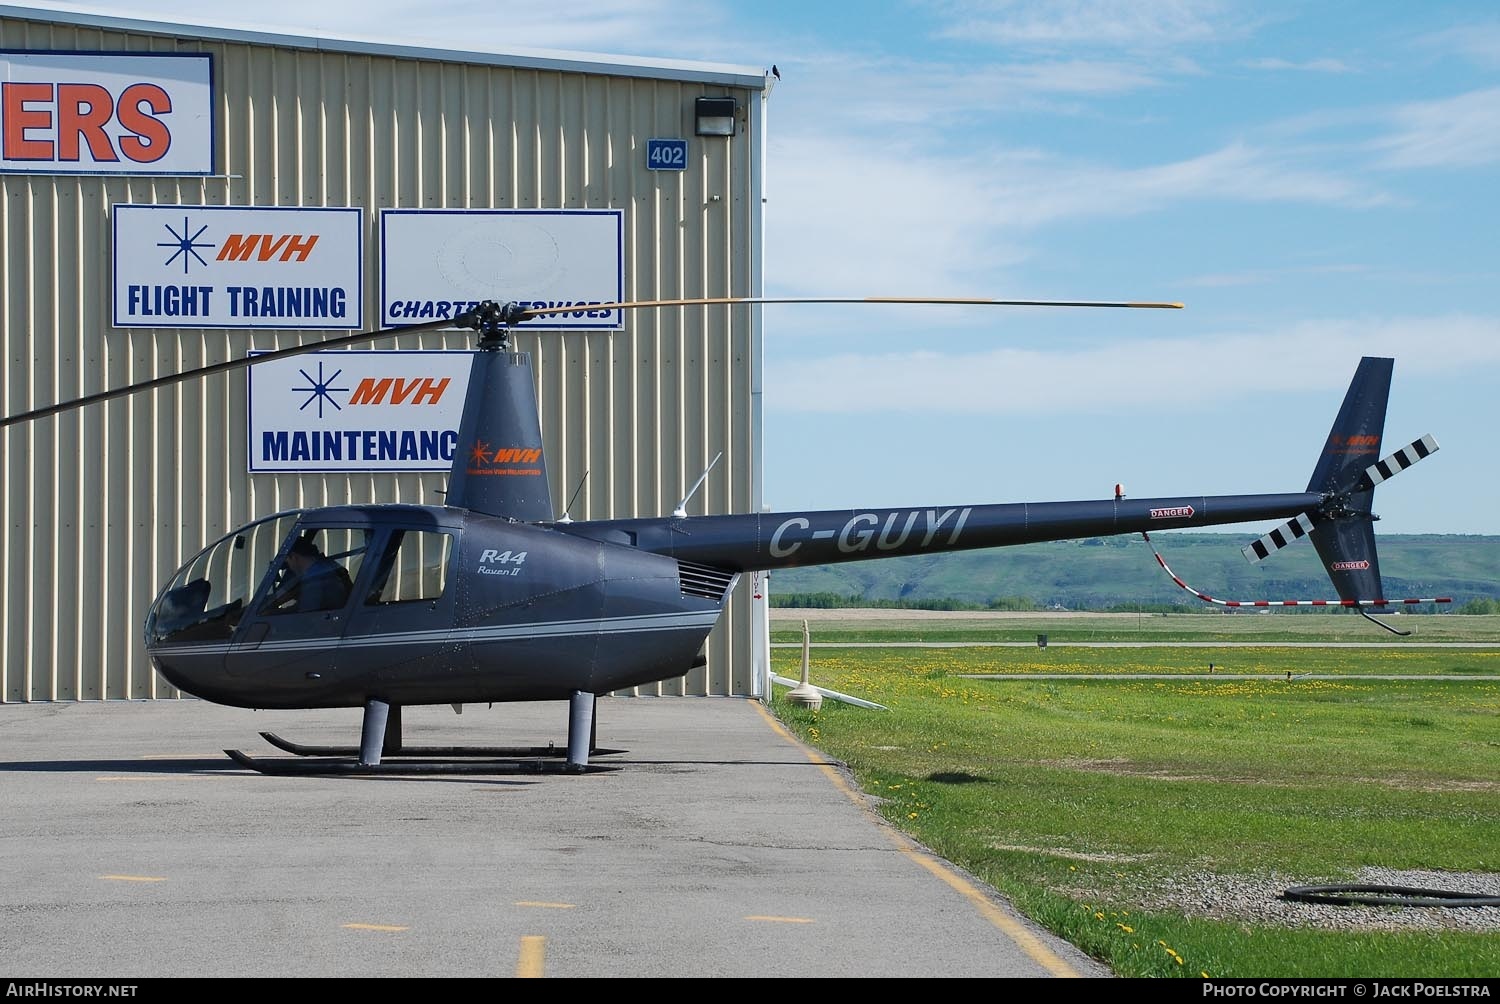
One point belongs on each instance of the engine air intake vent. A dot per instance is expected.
(704, 580)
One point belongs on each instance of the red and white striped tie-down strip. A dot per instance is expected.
(1382, 604)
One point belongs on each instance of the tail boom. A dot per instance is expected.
(766, 541)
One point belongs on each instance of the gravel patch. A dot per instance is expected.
(1247, 898)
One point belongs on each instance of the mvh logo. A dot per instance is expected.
(266, 247)
(420, 390)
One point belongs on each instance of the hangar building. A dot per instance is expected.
(176, 196)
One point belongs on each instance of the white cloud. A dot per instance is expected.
(955, 102)
(1477, 42)
(1260, 277)
(1256, 174)
(1462, 131)
(1155, 374)
(895, 221)
(1326, 65)
(902, 220)
(1120, 23)
(621, 27)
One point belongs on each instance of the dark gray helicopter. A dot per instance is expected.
(492, 598)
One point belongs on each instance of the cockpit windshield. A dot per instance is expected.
(205, 599)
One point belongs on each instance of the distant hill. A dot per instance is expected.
(1101, 573)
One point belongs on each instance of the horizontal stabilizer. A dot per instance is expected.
(1397, 462)
(1278, 538)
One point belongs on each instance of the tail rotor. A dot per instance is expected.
(1342, 526)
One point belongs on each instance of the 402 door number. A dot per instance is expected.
(666, 154)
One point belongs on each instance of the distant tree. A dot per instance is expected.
(1021, 603)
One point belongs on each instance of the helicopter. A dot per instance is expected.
(492, 597)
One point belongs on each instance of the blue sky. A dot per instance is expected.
(1314, 181)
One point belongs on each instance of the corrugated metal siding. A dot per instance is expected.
(102, 505)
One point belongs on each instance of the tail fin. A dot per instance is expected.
(1346, 542)
(1342, 527)
(1354, 441)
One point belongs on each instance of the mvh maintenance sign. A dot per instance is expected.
(356, 410)
(106, 112)
(237, 267)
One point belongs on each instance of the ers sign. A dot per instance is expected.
(106, 113)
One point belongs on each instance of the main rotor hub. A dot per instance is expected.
(493, 321)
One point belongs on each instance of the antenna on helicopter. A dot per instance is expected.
(565, 518)
(681, 508)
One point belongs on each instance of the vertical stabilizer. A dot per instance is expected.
(1346, 544)
(498, 465)
(1354, 441)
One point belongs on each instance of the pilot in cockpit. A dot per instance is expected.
(321, 582)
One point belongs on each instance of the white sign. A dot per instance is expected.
(236, 267)
(356, 410)
(437, 263)
(106, 113)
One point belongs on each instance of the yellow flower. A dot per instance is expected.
(1125, 927)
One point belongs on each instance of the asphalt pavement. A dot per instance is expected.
(719, 847)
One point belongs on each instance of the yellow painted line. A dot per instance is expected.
(785, 920)
(1027, 941)
(132, 878)
(533, 954)
(375, 927)
(546, 906)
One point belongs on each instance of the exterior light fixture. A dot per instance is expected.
(715, 116)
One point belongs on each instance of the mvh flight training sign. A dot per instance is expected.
(237, 267)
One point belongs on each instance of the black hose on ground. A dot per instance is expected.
(1386, 895)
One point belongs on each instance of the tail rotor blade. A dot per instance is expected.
(1377, 473)
(1383, 470)
(1286, 533)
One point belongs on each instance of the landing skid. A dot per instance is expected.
(380, 738)
(320, 766)
(491, 752)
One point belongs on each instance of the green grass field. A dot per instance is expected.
(1286, 626)
(1145, 820)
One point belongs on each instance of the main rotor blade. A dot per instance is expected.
(948, 300)
(365, 336)
(231, 364)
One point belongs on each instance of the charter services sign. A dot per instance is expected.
(438, 263)
(106, 113)
(237, 267)
(356, 410)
